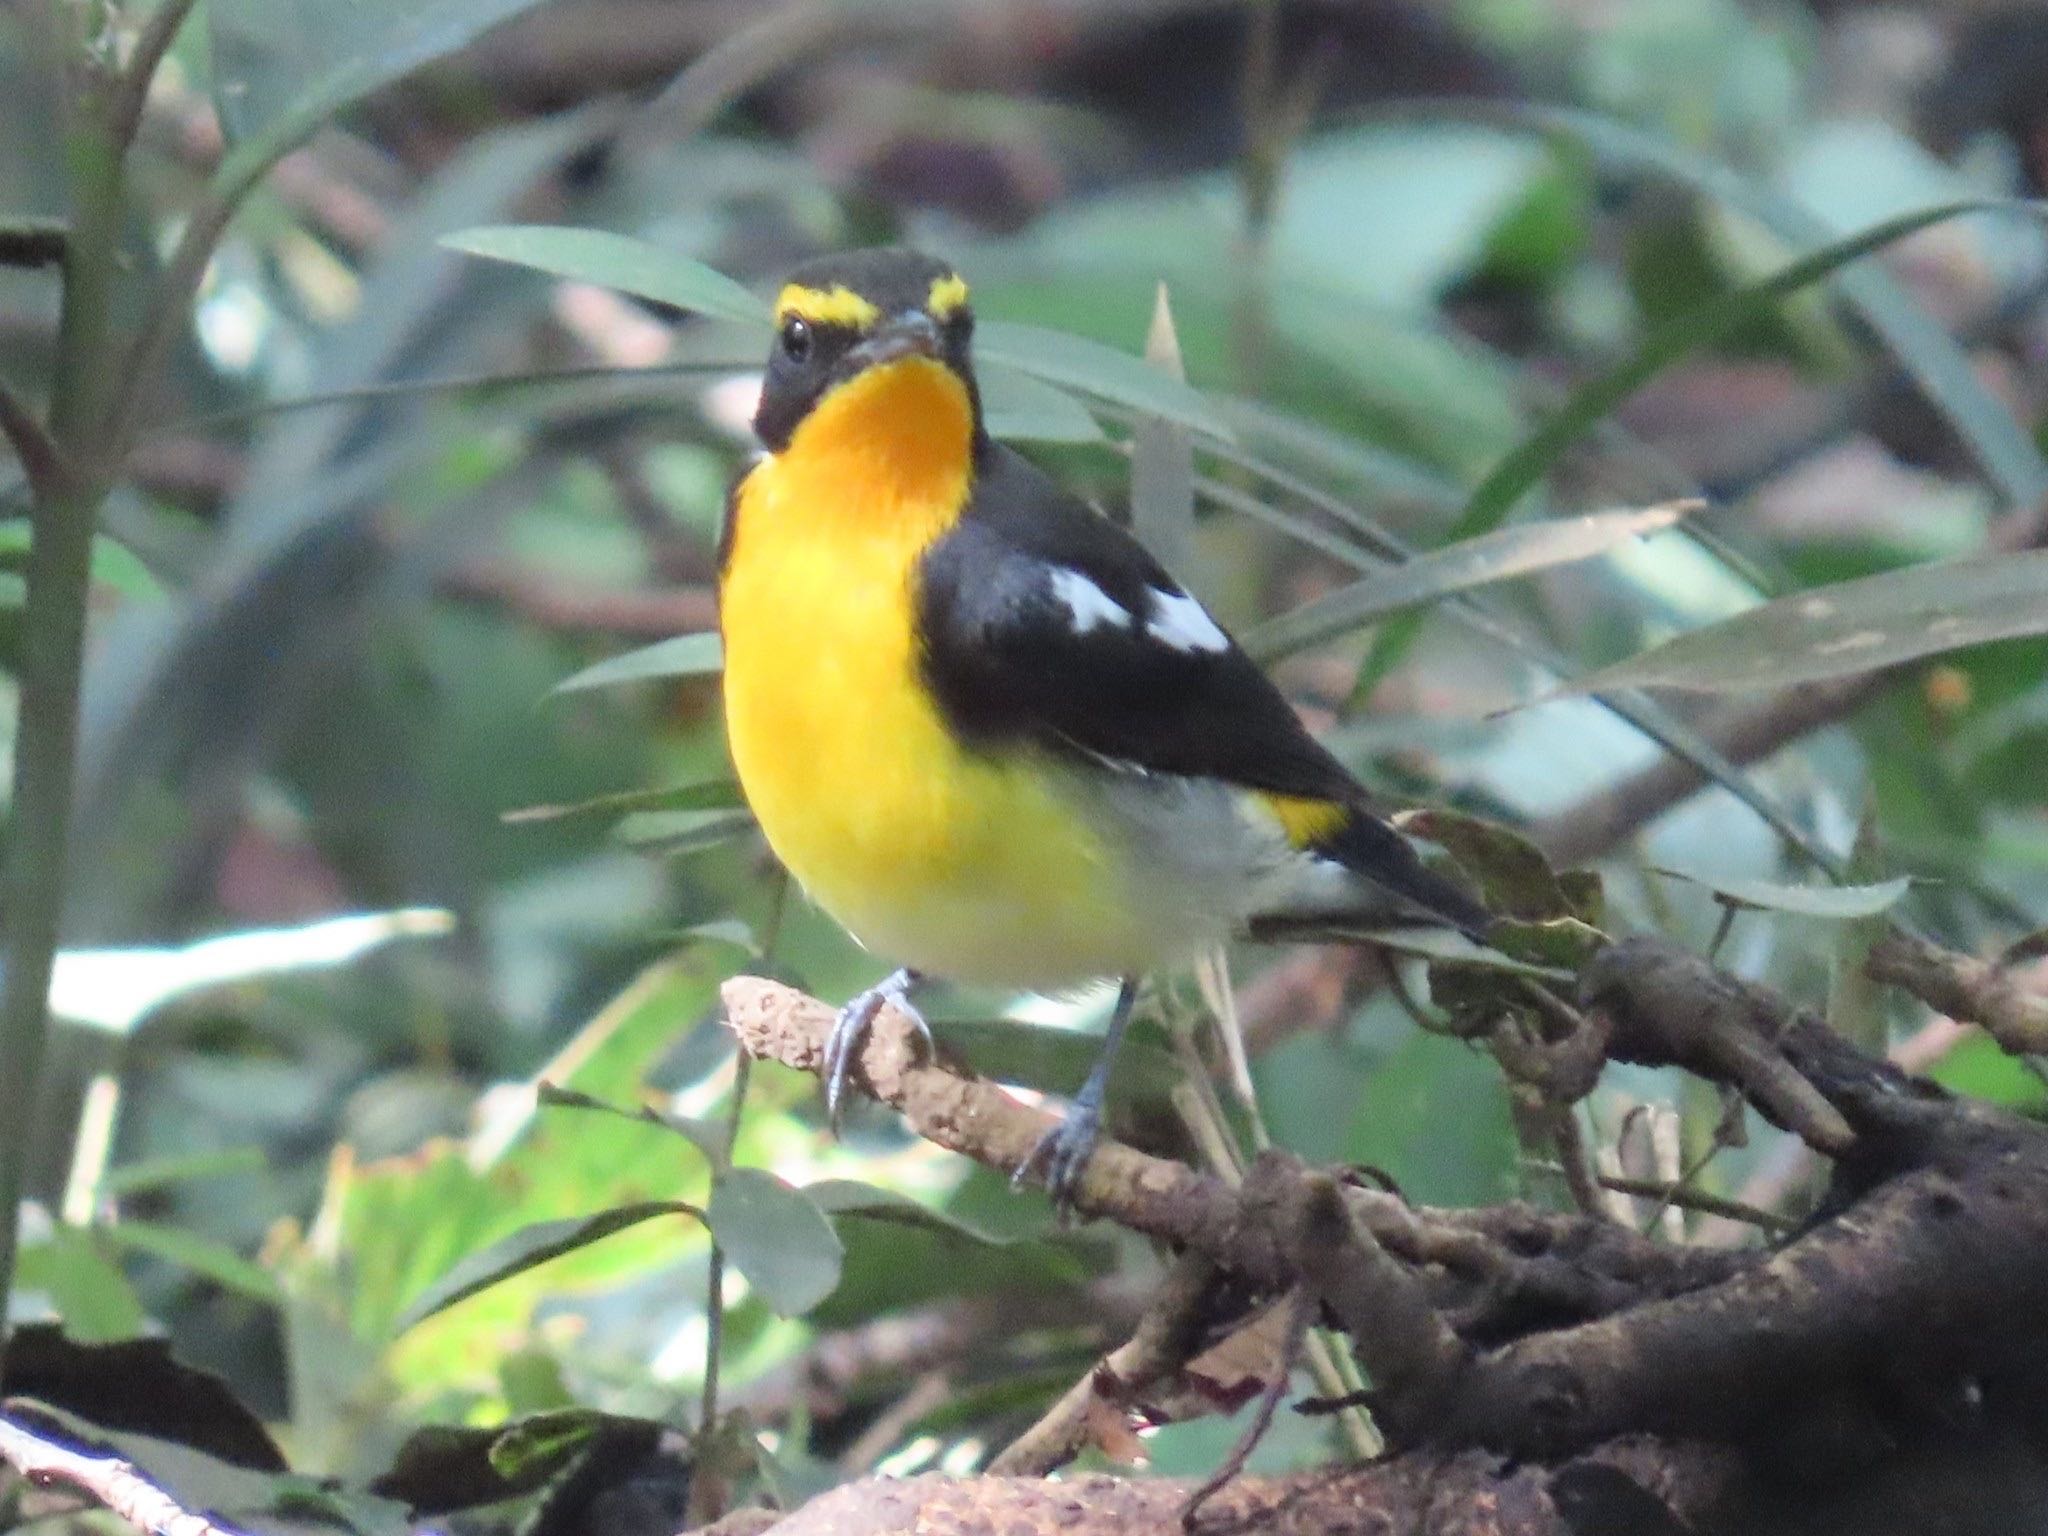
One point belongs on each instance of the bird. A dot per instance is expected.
(979, 724)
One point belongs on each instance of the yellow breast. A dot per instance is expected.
(964, 864)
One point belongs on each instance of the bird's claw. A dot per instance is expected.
(1062, 1154)
(850, 1031)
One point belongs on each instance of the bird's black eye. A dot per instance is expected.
(796, 339)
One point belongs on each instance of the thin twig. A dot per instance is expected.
(1166, 1338)
(1964, 987)
(112, 1481)
(714, 1284)
(1300, 1309)
(158, 33)
(53, 645)
(1689, 1199)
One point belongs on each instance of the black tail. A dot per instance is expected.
(1367, 846)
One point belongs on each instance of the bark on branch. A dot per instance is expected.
(1525, 1359)
(47, 1461)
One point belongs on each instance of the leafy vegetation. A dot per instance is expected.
(373, 374)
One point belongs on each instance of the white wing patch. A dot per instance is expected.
(1088, 606)
(1172, 618)
(1181, 622)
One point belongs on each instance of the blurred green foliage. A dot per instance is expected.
(386, 602)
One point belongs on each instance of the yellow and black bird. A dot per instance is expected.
(981, 726)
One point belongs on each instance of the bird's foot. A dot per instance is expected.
(1062, 1155)
(850, 1030)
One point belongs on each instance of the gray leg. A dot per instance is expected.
(850, 1029)
(1063, 1151)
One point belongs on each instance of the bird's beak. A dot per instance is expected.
(913, 333)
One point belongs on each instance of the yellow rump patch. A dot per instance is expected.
(837, 305)
(948, 296)
(1306, 821)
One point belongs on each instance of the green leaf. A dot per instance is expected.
(777, 1237)
(684, 656)
(279, 70)
(1491, 557)
(852, 1197)
(1163, 459)
(158, 1172)
(528, 1248)
(1099, 370)
(615, 261)
(1523, 468)
(114, 565)
(1441, 944)
(1512, 872)
(87, 1289)
(711, 795)
(1936, 361)
(1840, 902)
(201, 1255)
(541, 1441)
(1979, 1068)
(1020, 408)
(701, 1134)
(1850, 627)
(676, 833)
(1056, 1060)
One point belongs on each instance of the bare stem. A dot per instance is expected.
(65, 513)
(714, 1285)
(158, 33)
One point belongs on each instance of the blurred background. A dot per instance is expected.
(388, 497)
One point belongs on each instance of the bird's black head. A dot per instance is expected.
(841, 316)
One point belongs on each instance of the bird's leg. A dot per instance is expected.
(851, 1028)
(1063, 1151)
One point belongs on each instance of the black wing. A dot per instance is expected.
(1047, 623)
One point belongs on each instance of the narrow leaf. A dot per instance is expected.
(279, 71)
(1491, 557)
(528, 1248)
(851, 1197)
(1850, 627)
(684, 656)
(1841, 902)
(1095, 369)
(530, 1447)
(201, 1255)
(711, 795)
(1933, 359)
(1020, 408)
(777, 1237)
(1163, 459)
(1526, 465)
(701, 1134)
(680, 832)
(615, 261)
(161, 1172)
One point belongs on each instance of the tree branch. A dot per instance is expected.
(1494, 1273)
(1744, 734)
(113, 1482)
(1963, 987)
(1167, 1337)
(158, 33)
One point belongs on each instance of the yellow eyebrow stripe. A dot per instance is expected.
(948, 295)
(837, 305)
